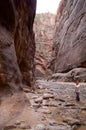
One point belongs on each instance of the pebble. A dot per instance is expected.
(74, 127)
(18, 122)
(62, 100)
(40, 127)
(43, 119)
(22, 125)
(59, 127)
(71, 121)
(45, 111)
(47, 96)
(45, 103)
(53, 104)
(35, 105)
(52, 122)
(34, 97)
(39, 100)
(69, 104)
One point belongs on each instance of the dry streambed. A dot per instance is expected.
(53, 107)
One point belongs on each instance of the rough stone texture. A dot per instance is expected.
(73, 75)
(44, 28)
(17, 46)
(24, 39)
(9, 70)
(40, 65)
(69, 50)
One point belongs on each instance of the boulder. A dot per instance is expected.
(71, 76)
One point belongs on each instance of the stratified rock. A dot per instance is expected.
(40, 65)
(69, 50)
(44, 28)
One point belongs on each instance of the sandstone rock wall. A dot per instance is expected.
(69, 50)
(24, 39)
(17, 45)
(44, 28)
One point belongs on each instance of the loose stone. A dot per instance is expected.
(47, 96)
(40, 127)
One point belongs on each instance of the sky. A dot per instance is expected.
(47, 6)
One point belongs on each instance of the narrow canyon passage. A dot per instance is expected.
(42, 58)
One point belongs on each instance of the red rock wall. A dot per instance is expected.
(24, 39)
(44, 28)
(17, 45)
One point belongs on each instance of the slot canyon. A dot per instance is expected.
(42, 62)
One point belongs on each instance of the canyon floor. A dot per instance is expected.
(52, 107)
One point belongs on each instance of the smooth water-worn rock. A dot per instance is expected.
(69, 50)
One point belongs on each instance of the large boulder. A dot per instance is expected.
(69, 50)
(71, 76)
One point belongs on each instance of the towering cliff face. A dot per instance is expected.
(24, 39)
(69, 50)
(44, 28)
(17, 46)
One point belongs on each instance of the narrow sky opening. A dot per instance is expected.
(45, 6)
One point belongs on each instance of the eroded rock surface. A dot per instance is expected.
(70, 36)
(17, 49)
(24, 39)
(17, 45)
(44, 28)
